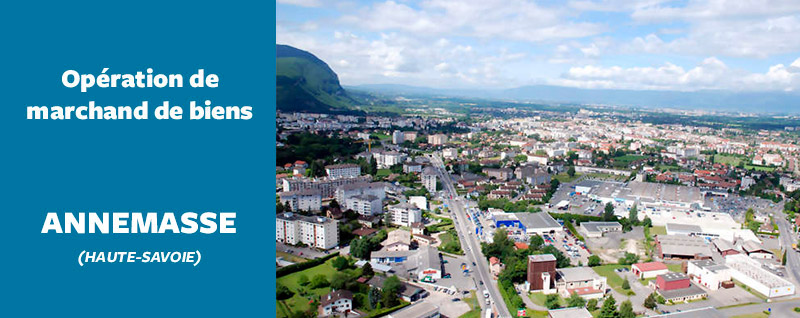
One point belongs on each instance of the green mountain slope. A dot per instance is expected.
(306, 84)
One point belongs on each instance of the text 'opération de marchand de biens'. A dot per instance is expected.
(197, 110)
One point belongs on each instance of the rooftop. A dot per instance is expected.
(574, 312)
(651, 266)
(541, 258)
(420, 309)
(672, 276)
(708, 312)
(572, 274)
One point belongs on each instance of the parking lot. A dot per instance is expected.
(458, 278)
(571, 247)
(736, 205)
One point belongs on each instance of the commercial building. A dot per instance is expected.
(756, 250)
(709, 274)
(649, 269)
(429, 179)
(583, 281)
(302, 200)
(681, 247)
(682, 294)
(365, 204)
(750, 272)
(529, 223)
(404, 214)
(314, 231)
(347, 170)
(597, 229)
(418, 310)
(573, 312)
(326, 186)
(338, 301)
(724, 247)
(425, 264)
(670, 281)
(541, 272)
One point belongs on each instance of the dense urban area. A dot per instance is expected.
(469, 211)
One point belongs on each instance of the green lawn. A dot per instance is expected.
(382, 136)
(298, 302)
(727, 159)
(475, 309)
(759, 168)
(613, 279)
(564, 177)
(658, 230)
(383, 173)
(539, 299)
(606, 176)
(674, 267)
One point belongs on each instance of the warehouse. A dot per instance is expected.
(750, 272)
(709, 274)
(682, 247)
(649, 269)
(530, 223)
(597, 229)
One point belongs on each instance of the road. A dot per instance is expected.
(787, 238)
(469, 241)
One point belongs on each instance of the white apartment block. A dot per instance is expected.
(347, 170)
(437, 139)
(398, 137)
(450, 153)
(404, 214)
(365, 204)
(303, 200)
(344, 192)
(429, 179)
(314, 231)
(326, 186)
(387, 159)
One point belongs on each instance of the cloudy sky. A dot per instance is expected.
(739, 45)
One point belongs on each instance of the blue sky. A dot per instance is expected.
(740, 45)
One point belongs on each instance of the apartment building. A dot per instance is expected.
(302, 200)
(347, 170)
(365, 204)
(404, 214)
(314, 231)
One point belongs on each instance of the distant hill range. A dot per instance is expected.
(756, 102)
(306, 84)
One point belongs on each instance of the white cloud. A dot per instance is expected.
(711, 73)
(487, 19)
(302, 3)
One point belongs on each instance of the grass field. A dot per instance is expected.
(539, 299)
(382, 136)
(614, 280)
(383, 173)
(727, 159)
(606, 176)
(759, 168)
(626, 160)
(674, 267)
(658, 230)
(475, 309)
(298, 302)
(564, 177)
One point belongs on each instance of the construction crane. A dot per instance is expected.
(368, 141)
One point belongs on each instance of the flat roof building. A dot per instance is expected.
(682, 247)
(597, 229)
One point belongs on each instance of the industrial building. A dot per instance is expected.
(597, 229)
(529, 223)
(677, 287)
(750, 272)
(583, 281)
(709, 274)
(649, 269)
(682, 247)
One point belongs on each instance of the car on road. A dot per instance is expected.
(486, 293)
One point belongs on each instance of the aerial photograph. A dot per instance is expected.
(521, 158)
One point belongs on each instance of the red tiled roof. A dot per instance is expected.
(521, 246)
(584, 291)
(650, 266)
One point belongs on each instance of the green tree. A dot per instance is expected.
(650, 301)
(783, 262)
(551, 301)
(629, 259)
(340, 263)
(282, 292)
(279, 208)
(633, 216)
(391, 287)
(561, 260)
(594, 260)
(536, 243)
(626, 310)
(319, 281)
(591, 305)
(626, 285)
(374, 297)
(608, 214)
(302, 280)
(360, 248)
(609, 309)
(575, 301)
(571, 171)
(339, 280)
(367, 271)
(647, 222)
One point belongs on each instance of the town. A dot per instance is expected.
(522, 212)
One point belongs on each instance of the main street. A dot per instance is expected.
(469, 241)
(787, 238)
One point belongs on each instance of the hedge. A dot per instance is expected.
(283, 271)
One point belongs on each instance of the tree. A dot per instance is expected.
(279, 208)
(316, 169)
(591, 305)
(551, 301)
(536, 243)
(633, 216)
(783, 262)
(340, 263)
(302, 280)
(609, 309)
(374, 297)
(561, 260)
(282, 292)
(626, 285)
(575, 301)
(594, 260)
(391, 287)
(339, 280)
(629, 259)
(608, 214)
(360, 248)
(367, 271)
(571, 171)
(626, 310)
(650, 301)
(647, 222)
(319, 281)
(334, 204)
